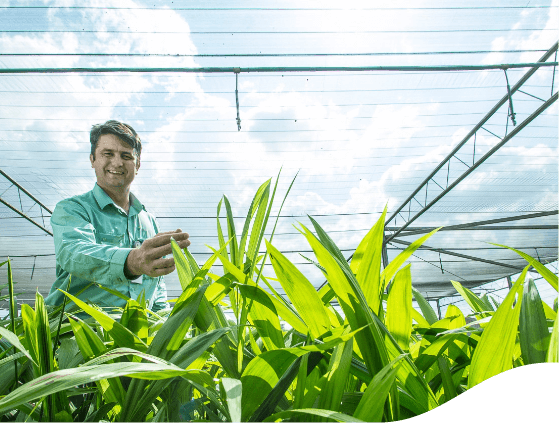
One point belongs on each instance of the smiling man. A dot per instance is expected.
(106, 237)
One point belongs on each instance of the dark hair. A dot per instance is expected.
(122, 130)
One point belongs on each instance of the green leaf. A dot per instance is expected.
(336, 377)
(533, 332)
(64, 379)
(493, 354)
(301, 293)
(547, 274)
(234, 249)
(370, 408)
(428, 312)
(134, 318)
(366, 263)
(121, 335)
(333, 415)
(14, 340)
(264, 371)
(398, 308)
(448, 383)
(233, 392)
(395, 264)
(264, 316)
(476, 303)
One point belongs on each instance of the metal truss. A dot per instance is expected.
(45, 212)
(410, 206)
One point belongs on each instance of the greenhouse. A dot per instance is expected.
(340, 211)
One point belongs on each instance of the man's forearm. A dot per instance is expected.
(129, 271)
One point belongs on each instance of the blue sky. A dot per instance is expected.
(360, 140)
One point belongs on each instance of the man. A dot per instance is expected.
(106, 236)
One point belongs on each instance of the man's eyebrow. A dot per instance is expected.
(110, 150)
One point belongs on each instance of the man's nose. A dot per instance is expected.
(117, 160)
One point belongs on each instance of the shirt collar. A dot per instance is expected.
(103, 200)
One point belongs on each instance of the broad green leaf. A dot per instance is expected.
(428, 312)
(476, 303)
(332, 415)
(493, 354)
(448, 383)
(234, 248)
(270, 403)
(371, 406)
(134, 318)
(283, 310)
(264, 316)
(64, 379)
(547, 274)
(398, 308)
(395, 264)
(14, 340)
(122, 336)
(264, 371)
(301, 293)
(533, 332)
(419, 319)
(366, 263)
(457, 317)
(258, 227)
(166, 343)
(336, 377)
(220, 236)
(90, 347)
(233, 393)
(429, 355)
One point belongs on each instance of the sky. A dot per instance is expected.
(358, 140)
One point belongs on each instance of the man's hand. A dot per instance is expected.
(147, 260)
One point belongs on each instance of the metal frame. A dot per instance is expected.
(20, 211)
(285, 69)
(475, 164)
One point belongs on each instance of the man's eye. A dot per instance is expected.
(108, 154)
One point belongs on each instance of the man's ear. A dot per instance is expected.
(91, 159)
(137, 165)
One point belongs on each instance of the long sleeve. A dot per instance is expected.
(78, 251)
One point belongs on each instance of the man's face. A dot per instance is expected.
(115, 162)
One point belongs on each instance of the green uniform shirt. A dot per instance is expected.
(92, 238)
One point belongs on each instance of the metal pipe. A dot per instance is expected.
(482, 222)
(24, 216)
(495, 108)
(5, 175)
(284, 69)
(450, 253)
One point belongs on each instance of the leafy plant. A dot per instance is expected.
(233, 349)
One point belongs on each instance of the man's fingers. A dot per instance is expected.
(159, 240)
(169, 232)
(162, 272)
(163, 263)
(155, 253)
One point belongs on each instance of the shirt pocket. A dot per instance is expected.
(109, 239)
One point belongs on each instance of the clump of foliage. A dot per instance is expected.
(378, 359)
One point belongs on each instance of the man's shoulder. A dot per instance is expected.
(76, 202)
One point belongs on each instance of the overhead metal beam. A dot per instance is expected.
(480, 124)
(30, 196)
(282, 69)
(476, 225)
(503, 141)
(465, 256)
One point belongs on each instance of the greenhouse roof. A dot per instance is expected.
(443, 112)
